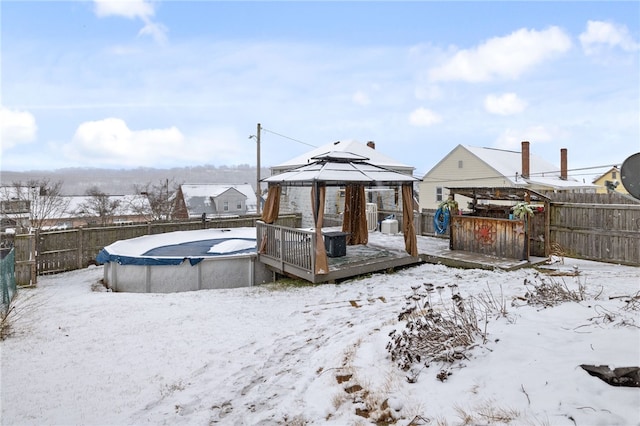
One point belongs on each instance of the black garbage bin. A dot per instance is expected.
(336, 243)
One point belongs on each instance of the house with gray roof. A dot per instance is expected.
(470, 166)
(214, 200)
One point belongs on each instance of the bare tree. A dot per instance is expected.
(43, 196)
(160, 197)
(98, 204)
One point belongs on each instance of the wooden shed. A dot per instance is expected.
(490, 228)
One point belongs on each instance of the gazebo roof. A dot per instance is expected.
(337, 168)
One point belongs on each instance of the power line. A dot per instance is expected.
(553, 173)
(287, 137)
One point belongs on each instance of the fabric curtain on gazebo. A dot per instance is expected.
(410, 243)
(317, 203)
(354, 221)
(270, 212)
(272, 205)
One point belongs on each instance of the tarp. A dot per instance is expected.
(175, 254)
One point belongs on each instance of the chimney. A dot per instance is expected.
(525, 159)
(563, 163)
(371, 144)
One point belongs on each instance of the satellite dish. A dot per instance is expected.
(630, 175)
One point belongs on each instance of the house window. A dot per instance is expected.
(225, 206)
(614, 175)
(438, 193)
(239, 205)
(459, 164)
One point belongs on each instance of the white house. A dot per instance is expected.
(470, 166)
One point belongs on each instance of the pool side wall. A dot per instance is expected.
(210, 273)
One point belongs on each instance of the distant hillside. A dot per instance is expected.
(77, 180)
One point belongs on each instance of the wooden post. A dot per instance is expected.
(547, 228)
(527, 227)
(33, 257)
(79, 250)
(258, 192)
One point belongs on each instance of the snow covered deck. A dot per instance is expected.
(289, 251)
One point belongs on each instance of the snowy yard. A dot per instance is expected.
(303, 354)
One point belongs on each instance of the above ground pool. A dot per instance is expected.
(184, 261)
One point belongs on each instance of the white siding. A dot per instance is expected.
(447, 173)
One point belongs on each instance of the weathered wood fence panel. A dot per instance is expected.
(603, 232)
(538, 235)
(58, 251)
(427, 227)
(590, 198)
(25, 259)
(489, 236)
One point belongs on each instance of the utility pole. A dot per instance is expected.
(258, 192)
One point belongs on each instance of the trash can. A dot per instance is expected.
(389, 226)
(336, 243)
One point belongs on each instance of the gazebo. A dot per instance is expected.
(302, 252)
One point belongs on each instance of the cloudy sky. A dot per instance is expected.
(126, 84)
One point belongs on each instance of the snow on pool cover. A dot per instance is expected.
(174, 247)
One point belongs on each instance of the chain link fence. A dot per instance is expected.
(7, 277)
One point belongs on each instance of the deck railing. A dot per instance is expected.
(286, 248)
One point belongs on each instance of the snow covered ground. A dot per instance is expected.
(287, 353)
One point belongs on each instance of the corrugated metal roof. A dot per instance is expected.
(508, 193)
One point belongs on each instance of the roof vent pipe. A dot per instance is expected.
(563, 164)
(525, 159)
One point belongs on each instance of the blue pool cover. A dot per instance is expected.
(175, 254)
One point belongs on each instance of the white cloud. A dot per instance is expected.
(132, 9)
(601, 34)
(423, 117)
(156, 30)
(361, 98)
(126, 8)
(16, 127)
(505, 104)
(112, 142)
(503, 57)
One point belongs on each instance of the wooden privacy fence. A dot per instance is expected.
(602, 232)
(25, 259)
(586, 230)
(59, 251)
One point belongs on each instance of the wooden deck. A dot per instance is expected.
(289, 252)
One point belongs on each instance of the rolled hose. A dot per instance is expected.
(441, 220)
